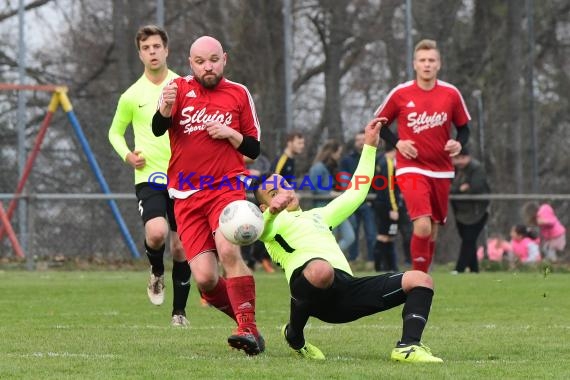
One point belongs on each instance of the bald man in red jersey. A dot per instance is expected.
(212, 125)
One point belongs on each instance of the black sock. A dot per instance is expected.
(303, 296)
(155, 258)
(382, 252)
(415, 314)
(180, 286)
(295, 341)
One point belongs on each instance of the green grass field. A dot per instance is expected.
(499, 325)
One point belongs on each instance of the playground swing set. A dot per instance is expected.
(59, 98)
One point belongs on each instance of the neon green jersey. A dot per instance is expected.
(294, 237)
(137, 106)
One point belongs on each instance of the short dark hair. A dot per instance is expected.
(256, 187)
(525, 231)
(294, 135)
(146, 31)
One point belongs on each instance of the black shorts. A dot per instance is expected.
(350, 298)
(385, 225)
(155, 203)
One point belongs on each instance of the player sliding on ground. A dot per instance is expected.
(319, 276)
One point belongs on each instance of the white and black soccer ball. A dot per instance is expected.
(241, 222)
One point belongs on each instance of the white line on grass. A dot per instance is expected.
(63, 355)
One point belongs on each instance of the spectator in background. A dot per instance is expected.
(365, 213)
(284, 165)
(386, 210)
(524, 245)
(323, 179)
(552, 232)
(256, 252)
(470, 215)
(497, 247)
(405, 229)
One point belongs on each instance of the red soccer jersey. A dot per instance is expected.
(425, 117)
(198, 161)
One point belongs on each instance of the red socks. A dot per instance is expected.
(218, 297)
(241, 292)
(431, 251)
(421, 251)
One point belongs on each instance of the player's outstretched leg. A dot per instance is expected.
(241, 293)
(419, 294)
(307, 351)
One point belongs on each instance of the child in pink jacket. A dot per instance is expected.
(497, 248)
(524, 245)
(552, 232)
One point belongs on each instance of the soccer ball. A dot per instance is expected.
(241, 222)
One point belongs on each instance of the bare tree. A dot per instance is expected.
(346, 55)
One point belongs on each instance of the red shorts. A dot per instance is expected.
(425, 196)
(197, 218)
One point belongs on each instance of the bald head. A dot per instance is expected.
(206, 44)
(207, 60)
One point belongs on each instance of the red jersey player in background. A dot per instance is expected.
(212, 124)
(424, 109)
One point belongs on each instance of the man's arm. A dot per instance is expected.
(463, 134)
(277, 204)
(160, 124)
(121, 121)
(389, 136)
(162, 118)
(453, 146)
(342, 207)
(346, 204)
(249, 147)
(268, 229)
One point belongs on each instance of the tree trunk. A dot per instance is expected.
(514, 89)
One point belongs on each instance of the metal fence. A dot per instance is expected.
(81, 226)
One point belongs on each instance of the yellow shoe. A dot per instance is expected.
(414, 353)
(308, 351)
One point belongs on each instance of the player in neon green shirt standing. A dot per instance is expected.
(150, 159)
(319, 276)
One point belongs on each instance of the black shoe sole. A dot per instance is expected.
(247, 344)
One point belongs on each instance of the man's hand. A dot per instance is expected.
(219, 131)
(407, 149)
(280, 202)
(136, 159)
(394, 215)
(168, 98)
(453, 147)
(372, 131)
